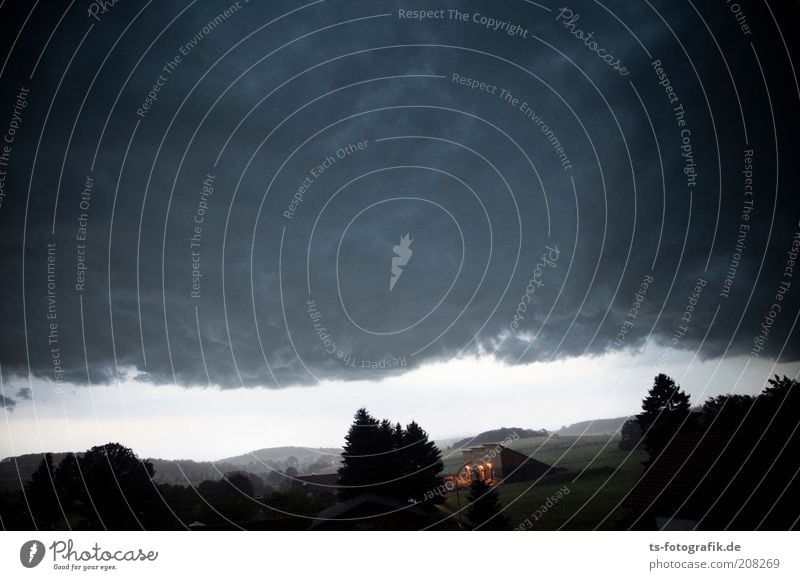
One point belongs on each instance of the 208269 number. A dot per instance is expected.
(758, 563)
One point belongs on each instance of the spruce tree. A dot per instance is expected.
(364, 456)
(664, 410)
(396, 468)
(484, 507)
(422, 464)
(388, 460)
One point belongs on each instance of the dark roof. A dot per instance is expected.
(377, 505)
(677, 472)
(330, 480)
(482, 446)
(523, 456)
(502, 449)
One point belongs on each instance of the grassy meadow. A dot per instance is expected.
(593, 470)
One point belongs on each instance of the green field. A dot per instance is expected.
(595, 472)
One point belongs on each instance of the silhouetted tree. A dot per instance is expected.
(71, 487)
(386, 459)
(664, 410)
(727, 412)
(120, 488)
(230, 498)
(484, 507)
(364, 457)
(631, 435)
(183, 502)
(397, 466)
(14, 514)
(295, 501)
(781, 389)
(40, 493)
(422, 464)
(749, 454)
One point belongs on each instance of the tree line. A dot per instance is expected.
(389, 460)
(752, 479)
(751, 482)
(109, 487)
(402, 463)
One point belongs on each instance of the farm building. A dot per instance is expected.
(494, 462)
(370, 511)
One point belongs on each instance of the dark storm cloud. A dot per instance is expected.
(289, 289)
(7, 403)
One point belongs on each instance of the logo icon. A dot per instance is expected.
(403, 255)
(31, 553)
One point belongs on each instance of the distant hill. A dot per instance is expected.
(497, 435)
(183, 471)
(302, 454)
(262, 462)
(303, 459)
(26, 464)
(447, 442)
(594, 427)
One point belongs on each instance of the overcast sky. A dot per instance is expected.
(203, 208)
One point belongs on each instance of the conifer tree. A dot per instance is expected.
(664, 410)
(422, 463)
(388, 460)
(484, 507)
(361, 467)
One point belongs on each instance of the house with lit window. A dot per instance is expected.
(495, 463)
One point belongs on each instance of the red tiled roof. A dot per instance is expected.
(677, 471)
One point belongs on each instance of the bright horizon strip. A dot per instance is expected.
(454, 398)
